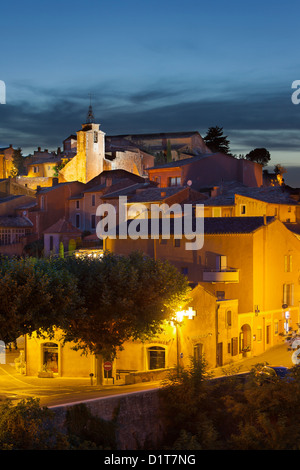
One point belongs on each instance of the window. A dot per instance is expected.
(177, 242)
(175, 181)
(276, 328)
(93, 221)
(198, 351)
(156, 357)
(185, 271)
(228, 318)
(93, 200)
(163, 241)
(77, 221)
(95, 137)
(288, 263)
(259, 334)
(216, 212)
(288, 294)
(50, 357)
(42, 202)
(242, 209)
(234, 346)
(77, 204)
(51, 244)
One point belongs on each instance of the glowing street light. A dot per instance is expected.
(180, 315)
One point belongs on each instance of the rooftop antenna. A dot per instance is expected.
(90, 116)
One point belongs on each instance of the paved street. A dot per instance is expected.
(59, 391)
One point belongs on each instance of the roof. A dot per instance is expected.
(63, 226)
(215, 225)
(186, 161)
(18, 222)
(161, 135)
(126, 191)
(41, 160)
(269, 194)
(156, 194)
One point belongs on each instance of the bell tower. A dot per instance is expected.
(90, 148)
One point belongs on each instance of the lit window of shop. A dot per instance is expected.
(50, 357)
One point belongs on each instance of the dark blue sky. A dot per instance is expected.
(152, 66)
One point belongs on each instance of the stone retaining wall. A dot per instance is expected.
(138, 424)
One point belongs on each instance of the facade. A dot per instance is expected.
(62, 233)
(236, 200)
(144, 361)
(208, 170)
(250, 259)
(6, 161)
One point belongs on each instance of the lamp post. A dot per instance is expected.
(180, 314)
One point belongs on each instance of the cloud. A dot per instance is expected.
(250, 117)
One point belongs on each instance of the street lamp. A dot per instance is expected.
(180, 315)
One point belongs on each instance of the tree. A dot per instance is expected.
(169, 152)
(27, 426)
(18, 163)
(125, 297)
(35, 297)
(216, 141)
(259, 155)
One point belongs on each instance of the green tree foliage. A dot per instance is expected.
(35, 296)
(125, 297)
(216, 141)
(27, 426)
(257, 412)
(98, 304)
(259, 155)
(169, 152)
(18, 161)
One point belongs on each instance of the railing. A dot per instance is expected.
(221, 275)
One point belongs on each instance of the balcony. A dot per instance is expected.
(228, 275)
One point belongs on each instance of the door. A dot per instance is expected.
(219, 354)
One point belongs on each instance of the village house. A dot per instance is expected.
(207, 170)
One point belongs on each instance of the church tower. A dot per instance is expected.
(91, 145)
(88, 162)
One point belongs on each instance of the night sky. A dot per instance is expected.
(152, 66)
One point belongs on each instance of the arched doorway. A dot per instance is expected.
(50, 357)
(245, 339)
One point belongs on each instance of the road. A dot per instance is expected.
(60, 391)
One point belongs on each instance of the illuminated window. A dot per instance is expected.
(50, 357)
(259, 334)
(175, 181)
(216, 212)
(228, 318)
(156, 357)
(288, 294)
(288, 263)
